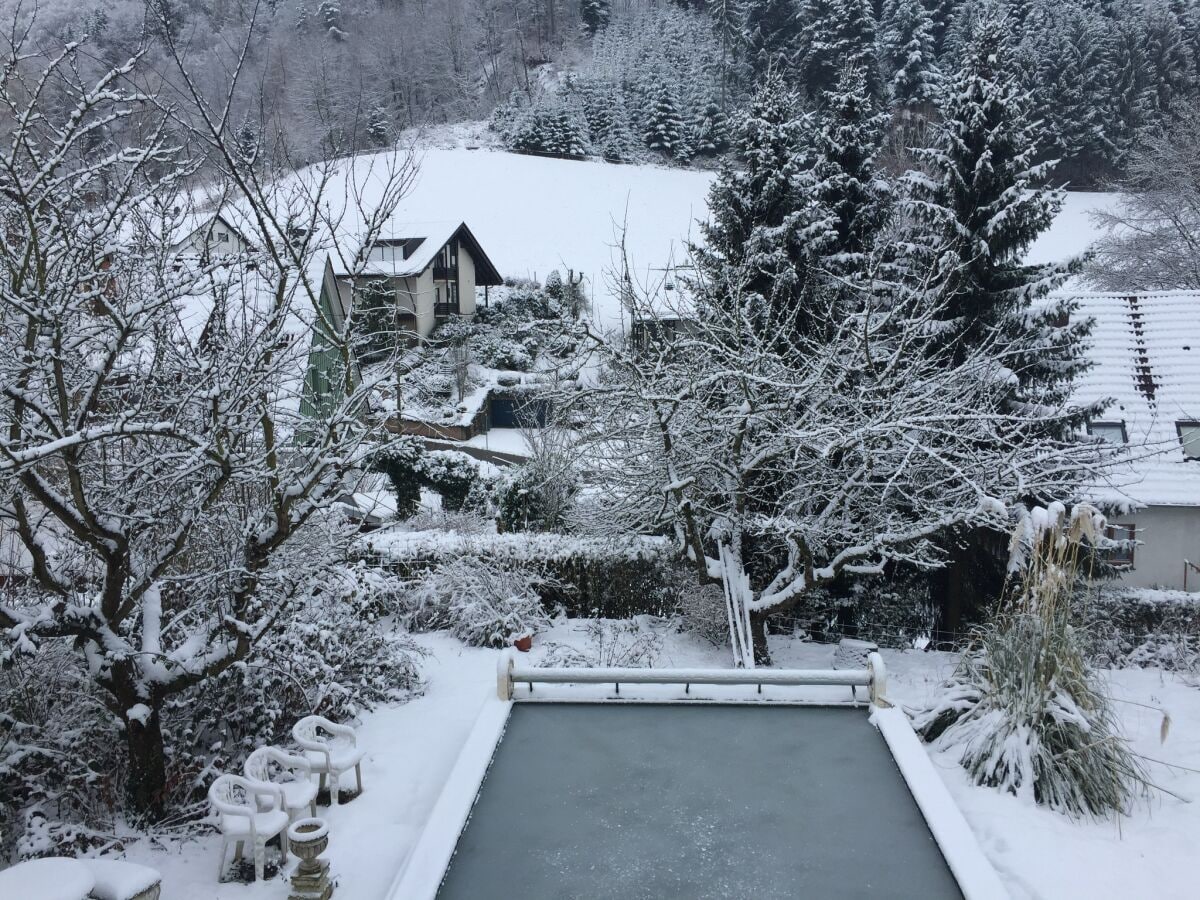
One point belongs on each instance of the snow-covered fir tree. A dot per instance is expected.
(665, 131)
(759, 213)
(908, 58)
(711, 131)
(1070, 76)
(979, 206)
(818, 61)
(772, 35)
(852, 198)
(594, 14)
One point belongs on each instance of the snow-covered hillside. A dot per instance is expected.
(533, 214)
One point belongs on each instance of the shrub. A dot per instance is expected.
(1024, 711)
(484, 603)
(1142, 627)
(617, 643)
(400, 461)
(588, 577)
(452, 474)
(62, 751)
(409, 467)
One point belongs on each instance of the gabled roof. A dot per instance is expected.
(1145, 350)
(434, 236)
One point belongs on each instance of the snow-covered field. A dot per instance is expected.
(533, 215)
(1038, 854)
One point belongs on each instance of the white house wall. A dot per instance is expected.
(424, 299)
(466, 281)
(1168, 535)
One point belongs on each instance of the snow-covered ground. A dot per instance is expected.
(532, 214)
(1039, 854)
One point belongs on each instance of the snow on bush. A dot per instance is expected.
(484, 603)
(62, 751)
(1143, 627)
(612, 643)
(1025, 712)
(703, 612)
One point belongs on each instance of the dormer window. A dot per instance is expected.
(1112, 432)
(394, 251)
(1189, 436)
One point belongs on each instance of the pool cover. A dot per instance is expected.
(694, 801)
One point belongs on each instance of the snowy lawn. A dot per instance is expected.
(1038, 854)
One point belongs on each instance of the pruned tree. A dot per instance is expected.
(175, 426)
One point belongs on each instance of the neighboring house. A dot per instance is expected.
(205, 235)
(422, 277)
(1146, 355)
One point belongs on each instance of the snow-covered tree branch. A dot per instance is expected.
(169, 460)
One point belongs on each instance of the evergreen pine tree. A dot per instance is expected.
(379, 126)
(772, 35)
(1068, 64)
(753, 252)
(712, 131)
(665, 129)
(247, 142)
(728, 18)
(1169, 69)
(852, 200)
(906, 51)
(856, 43)
(942, 15)
(819, 59)
(836, 35)
(978, 209)
(595, 14)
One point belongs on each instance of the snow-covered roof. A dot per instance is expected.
(433, 236)
(1145, 350)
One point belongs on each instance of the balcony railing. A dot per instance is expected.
(443, 273)
(444, 310)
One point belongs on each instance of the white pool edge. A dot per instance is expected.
(422, 874)
(976, 877)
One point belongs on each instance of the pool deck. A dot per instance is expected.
(694, 801)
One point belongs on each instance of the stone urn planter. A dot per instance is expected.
(307, 839)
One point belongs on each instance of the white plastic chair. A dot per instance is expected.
(299, 792)
(234, 801)
(330, 749)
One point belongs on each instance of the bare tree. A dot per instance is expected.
(1153, 233)
(175, 426)
(779, 464)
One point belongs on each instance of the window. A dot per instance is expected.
(222, 237)
(1113, 432)
(1121, 557)
(394, 251)
(1189, 436)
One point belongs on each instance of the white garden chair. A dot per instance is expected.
(295, 778)
(235, 803)
(330, 749)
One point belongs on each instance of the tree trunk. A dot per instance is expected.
(758, 633)
(147, 780)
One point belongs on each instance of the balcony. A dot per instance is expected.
(445, 310)
(444, 273)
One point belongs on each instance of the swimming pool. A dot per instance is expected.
(693, 784)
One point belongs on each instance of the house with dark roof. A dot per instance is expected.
(1145, 354)
(423, 275)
